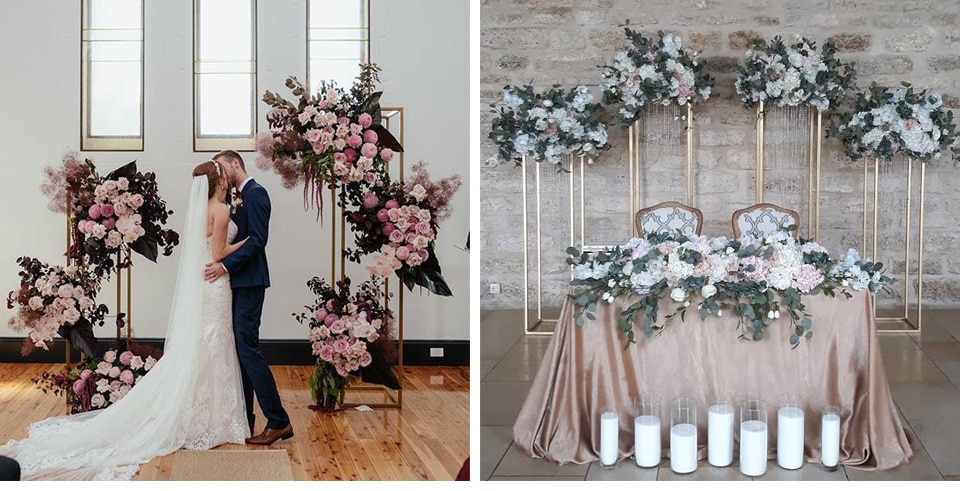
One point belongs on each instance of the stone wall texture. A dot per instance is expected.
(546, 42)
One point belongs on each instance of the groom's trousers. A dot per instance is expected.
(256, 375)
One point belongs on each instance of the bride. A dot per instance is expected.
(193, 396)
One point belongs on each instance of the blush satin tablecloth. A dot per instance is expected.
(586, 368)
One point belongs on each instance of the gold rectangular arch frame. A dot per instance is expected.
(904, 323)
(814, 146)
(392, 120)
(634, 135)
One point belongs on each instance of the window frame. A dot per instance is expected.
(366, 27)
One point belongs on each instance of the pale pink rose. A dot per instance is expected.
(330, 306)
(114, 372)
(339, 157)
(341, 370)
(341, 345)
(125, 357)
(386, 154)
(356, 129)
(313, 136)
(369, 178)
(345, 122)
(78, 292)
(125, 390)
(393, 213)
(365, 120)
(65, 291)
(86, 303)
(126, 377)
(391, 204)
(356, 175)
(402, 252)
(330, 319)
(136, 201)
(114, 239)
(36, 303)
(149, 363)
(388, 227)
(82, 225)
(315, 348)
(319, 148)
(340, 170)
(383, 216)
(123, 184)
(351, 154)
(354, 141)
(418, 192)
(99, 231)
(110, 356)
(423, 228)
(121, 209)
(136, 363)
(396, 236)
(86, 374)
(78, 386)
(89, 226)
(365, 359)
(414, 260)
(324, 332)
(421, 242)
(411, 236)
(115, 384)
(364, 163)
(403, 224)
(106, 210)
(71, 315)
(326, 353)
(115, 396)
(370, 200)
(337, 327)
(94, 212)
(97, 400)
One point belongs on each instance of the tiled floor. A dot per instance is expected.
(923, 371)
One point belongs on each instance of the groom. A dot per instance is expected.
(249, 279)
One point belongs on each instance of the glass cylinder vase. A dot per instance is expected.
(790, 432)
(720, 422)
(830, 438)
(609, 437)
(646, 428)
(753, 437)
(683, 435)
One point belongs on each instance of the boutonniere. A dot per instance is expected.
(235, 201)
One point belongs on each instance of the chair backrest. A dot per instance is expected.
(669, 216)
(763, 219)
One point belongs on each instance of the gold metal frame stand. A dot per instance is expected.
(911, 327)
(814, 147)
(394, 398)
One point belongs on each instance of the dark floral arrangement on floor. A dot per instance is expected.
(349, 335)
(328, 137)
(56, 300)
(123, 208)
(398, 221)
(101, 382)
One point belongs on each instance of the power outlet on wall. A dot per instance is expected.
(494, 287)
(436, 352)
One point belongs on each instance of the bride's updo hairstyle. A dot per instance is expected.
(213, 172)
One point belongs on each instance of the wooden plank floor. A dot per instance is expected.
(428, 439)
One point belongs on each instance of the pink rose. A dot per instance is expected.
(326, 353)
(393, 213)
(383, 216)
(329, 305)
(114, 372)
(354, 141)
(341, 345)
(423, 254)
(423, 228)
(366, 120)
(110, 356)
(120, 209)
(388, 227)
(86, 374)
(106, 210)
(78, 386)
(396, 236)
(351, 155)
(136, 201)
(337, 327)
(355, 129)
(370, 136)
(339, 157)
(370, 200)
(126, 377)
(109, 223)
(370, 178)
(125, 357)
(319, 148)
(315, 348)
(402, 252)
(365, 359)
(392, 204)
(330, 319)
(368, 150)
(343, 122)
(94, 212)
(313, 136)
(386, 154)
(89, 227)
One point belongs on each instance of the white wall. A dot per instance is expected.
(426, 71)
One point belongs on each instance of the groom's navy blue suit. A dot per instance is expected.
(250, 278)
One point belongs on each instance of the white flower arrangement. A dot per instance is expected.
(793, 75)
(654, 71)
(548, 126)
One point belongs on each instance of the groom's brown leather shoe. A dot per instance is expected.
(271, 435)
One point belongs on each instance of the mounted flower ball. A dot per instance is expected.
(654, 71)
(795, 74)
(332, 136)
(890, 121)
(548, 126)
(398, 222)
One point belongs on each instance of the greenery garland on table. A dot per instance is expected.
(755, 278)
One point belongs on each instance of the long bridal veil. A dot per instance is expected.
(163, 411)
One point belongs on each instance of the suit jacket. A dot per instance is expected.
(248, 264)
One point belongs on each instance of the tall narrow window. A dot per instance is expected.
(338, 40)
(225, 74)
(111, 74)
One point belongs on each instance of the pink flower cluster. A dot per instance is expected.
(411, 232)
(113, 377)
(113, 217)
(57, 299)
(341, 340)
(353, 145)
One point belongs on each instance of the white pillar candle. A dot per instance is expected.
(753, 448)
(609, 438)
(720, 435)
(790, 437)
(647, 440)
(830, 440)
(683, 448)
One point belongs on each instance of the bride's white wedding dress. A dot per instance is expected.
(192, 398)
